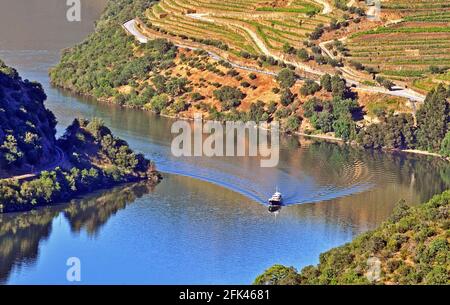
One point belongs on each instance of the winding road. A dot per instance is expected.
(326, 6)
(59, 161)
(131, 28)
(261, 45)
(349, 75)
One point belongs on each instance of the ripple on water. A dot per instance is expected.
(313, 183)
(302, 176)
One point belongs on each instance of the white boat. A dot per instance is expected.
(276, 199)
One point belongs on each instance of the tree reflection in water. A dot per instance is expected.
(21, 234)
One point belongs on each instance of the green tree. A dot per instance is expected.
(286, 78)
(325, 82)
(309, 87)
(338, 86)
(323, 121)
(95, 127)
(293, 123)
(311, 106)
(227, 93)
(433, 120)
(12, 155)
(180, 105)
(345, 128)
(445, 145)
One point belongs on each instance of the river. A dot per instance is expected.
(207, 222)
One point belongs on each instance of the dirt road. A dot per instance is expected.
(348, 74)
(59, 161)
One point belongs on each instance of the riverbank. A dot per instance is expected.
(325, 137)
(333, 193)
(86, 157)
(60, 190)
(405, 254)
(408, 151)
(423, 152)
(178, 96)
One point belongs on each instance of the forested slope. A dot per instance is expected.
(413, 247)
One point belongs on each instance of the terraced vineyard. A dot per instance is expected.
(253, 26)
(406, 50)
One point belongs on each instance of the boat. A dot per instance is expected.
(276, 199)
(274, 209)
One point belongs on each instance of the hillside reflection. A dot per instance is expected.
(21, 234)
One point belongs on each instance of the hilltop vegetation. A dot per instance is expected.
(412, 247)
(89, 70)
(157, 75)
(40, 170)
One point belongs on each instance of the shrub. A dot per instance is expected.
(252, 76)
(311, 106)
(292, 124)
(286, 97)
(245, 84)
(159, 103)
(278, 275)
(303, 54)
(195, 96)
(309, 88)
(286, 78)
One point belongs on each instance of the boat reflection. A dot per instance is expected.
(275, 209)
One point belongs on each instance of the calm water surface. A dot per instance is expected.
(206, 222)
(42, 24)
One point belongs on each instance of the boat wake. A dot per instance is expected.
(298, 184)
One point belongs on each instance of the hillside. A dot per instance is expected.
(231, 22)
(411, 45)
(413, 247)
(40, 170)
(309, 85)
(27, 128)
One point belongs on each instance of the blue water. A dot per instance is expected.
(190, 237)
(207, 222)
(151, 135)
